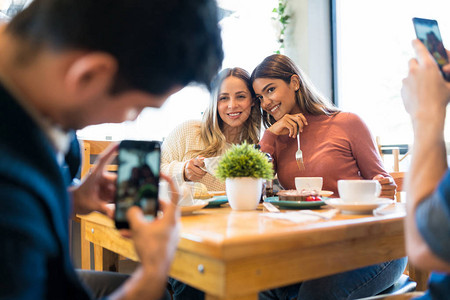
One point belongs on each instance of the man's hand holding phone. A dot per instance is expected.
(155, 243)
(425, 93)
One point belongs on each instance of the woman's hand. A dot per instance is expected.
(388, 186)
(192, 169)
(289, 124)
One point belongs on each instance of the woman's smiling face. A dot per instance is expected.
(276, 96)
(234, 103)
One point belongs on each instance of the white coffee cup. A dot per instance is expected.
(357, 190)
(308, 184)
(211, 164)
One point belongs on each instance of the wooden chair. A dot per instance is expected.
(91, 149)
(419, 276)
(398, 152)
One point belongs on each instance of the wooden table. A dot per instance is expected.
(234, 255)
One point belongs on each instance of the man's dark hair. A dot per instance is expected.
(158, 43)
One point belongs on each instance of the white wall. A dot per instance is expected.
(308, 41)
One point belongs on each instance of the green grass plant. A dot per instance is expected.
(244, 161)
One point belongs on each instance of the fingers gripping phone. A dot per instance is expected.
(427, 31)
(137, 179)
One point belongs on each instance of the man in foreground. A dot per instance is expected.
(426, 94)
(66, 64)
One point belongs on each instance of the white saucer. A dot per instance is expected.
(357, 207)
(197, 204)
(396, 208)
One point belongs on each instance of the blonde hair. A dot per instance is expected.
(211, 128)
(308, 98)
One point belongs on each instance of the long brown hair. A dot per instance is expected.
(211, 128)
(308, 98)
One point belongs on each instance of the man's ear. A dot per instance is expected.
(90, 75)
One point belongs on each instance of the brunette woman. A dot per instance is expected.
(336, 145)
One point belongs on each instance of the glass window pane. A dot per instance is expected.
(373, 50)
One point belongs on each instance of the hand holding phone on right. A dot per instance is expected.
(427, 31)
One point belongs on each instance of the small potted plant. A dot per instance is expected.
(243, 167)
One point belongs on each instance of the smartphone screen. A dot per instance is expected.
(137, 179)
(427, 31)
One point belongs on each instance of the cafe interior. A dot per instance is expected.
(356, 53)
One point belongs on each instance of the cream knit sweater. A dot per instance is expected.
(175, 154)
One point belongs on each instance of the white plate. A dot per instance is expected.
(396, 208)
(357, 207)
(197, 204)
(217, 193)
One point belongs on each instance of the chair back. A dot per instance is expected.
(398, 152)
(91, 149)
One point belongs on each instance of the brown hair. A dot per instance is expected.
(308, 99)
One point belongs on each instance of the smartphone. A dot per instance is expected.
(427, 31)
(137, 179)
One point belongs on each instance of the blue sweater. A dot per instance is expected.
(34, 211)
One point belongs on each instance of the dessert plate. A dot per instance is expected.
(296, 195)
(217, 193)
(365, 207)
(197, 204)
(217, 201)
(294, 204)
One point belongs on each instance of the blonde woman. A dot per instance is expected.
(232, 117)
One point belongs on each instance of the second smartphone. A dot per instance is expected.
(427, 31)
(137, 179)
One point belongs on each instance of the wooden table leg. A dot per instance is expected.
(419, 276)
(105, 260)
(85, 248)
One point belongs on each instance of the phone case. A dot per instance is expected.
(137, 179)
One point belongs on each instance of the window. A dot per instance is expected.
(373, 47)
(248, 35)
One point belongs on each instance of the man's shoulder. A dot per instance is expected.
(27, 159)
(438, 287)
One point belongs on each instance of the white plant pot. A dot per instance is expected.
(243, 193)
